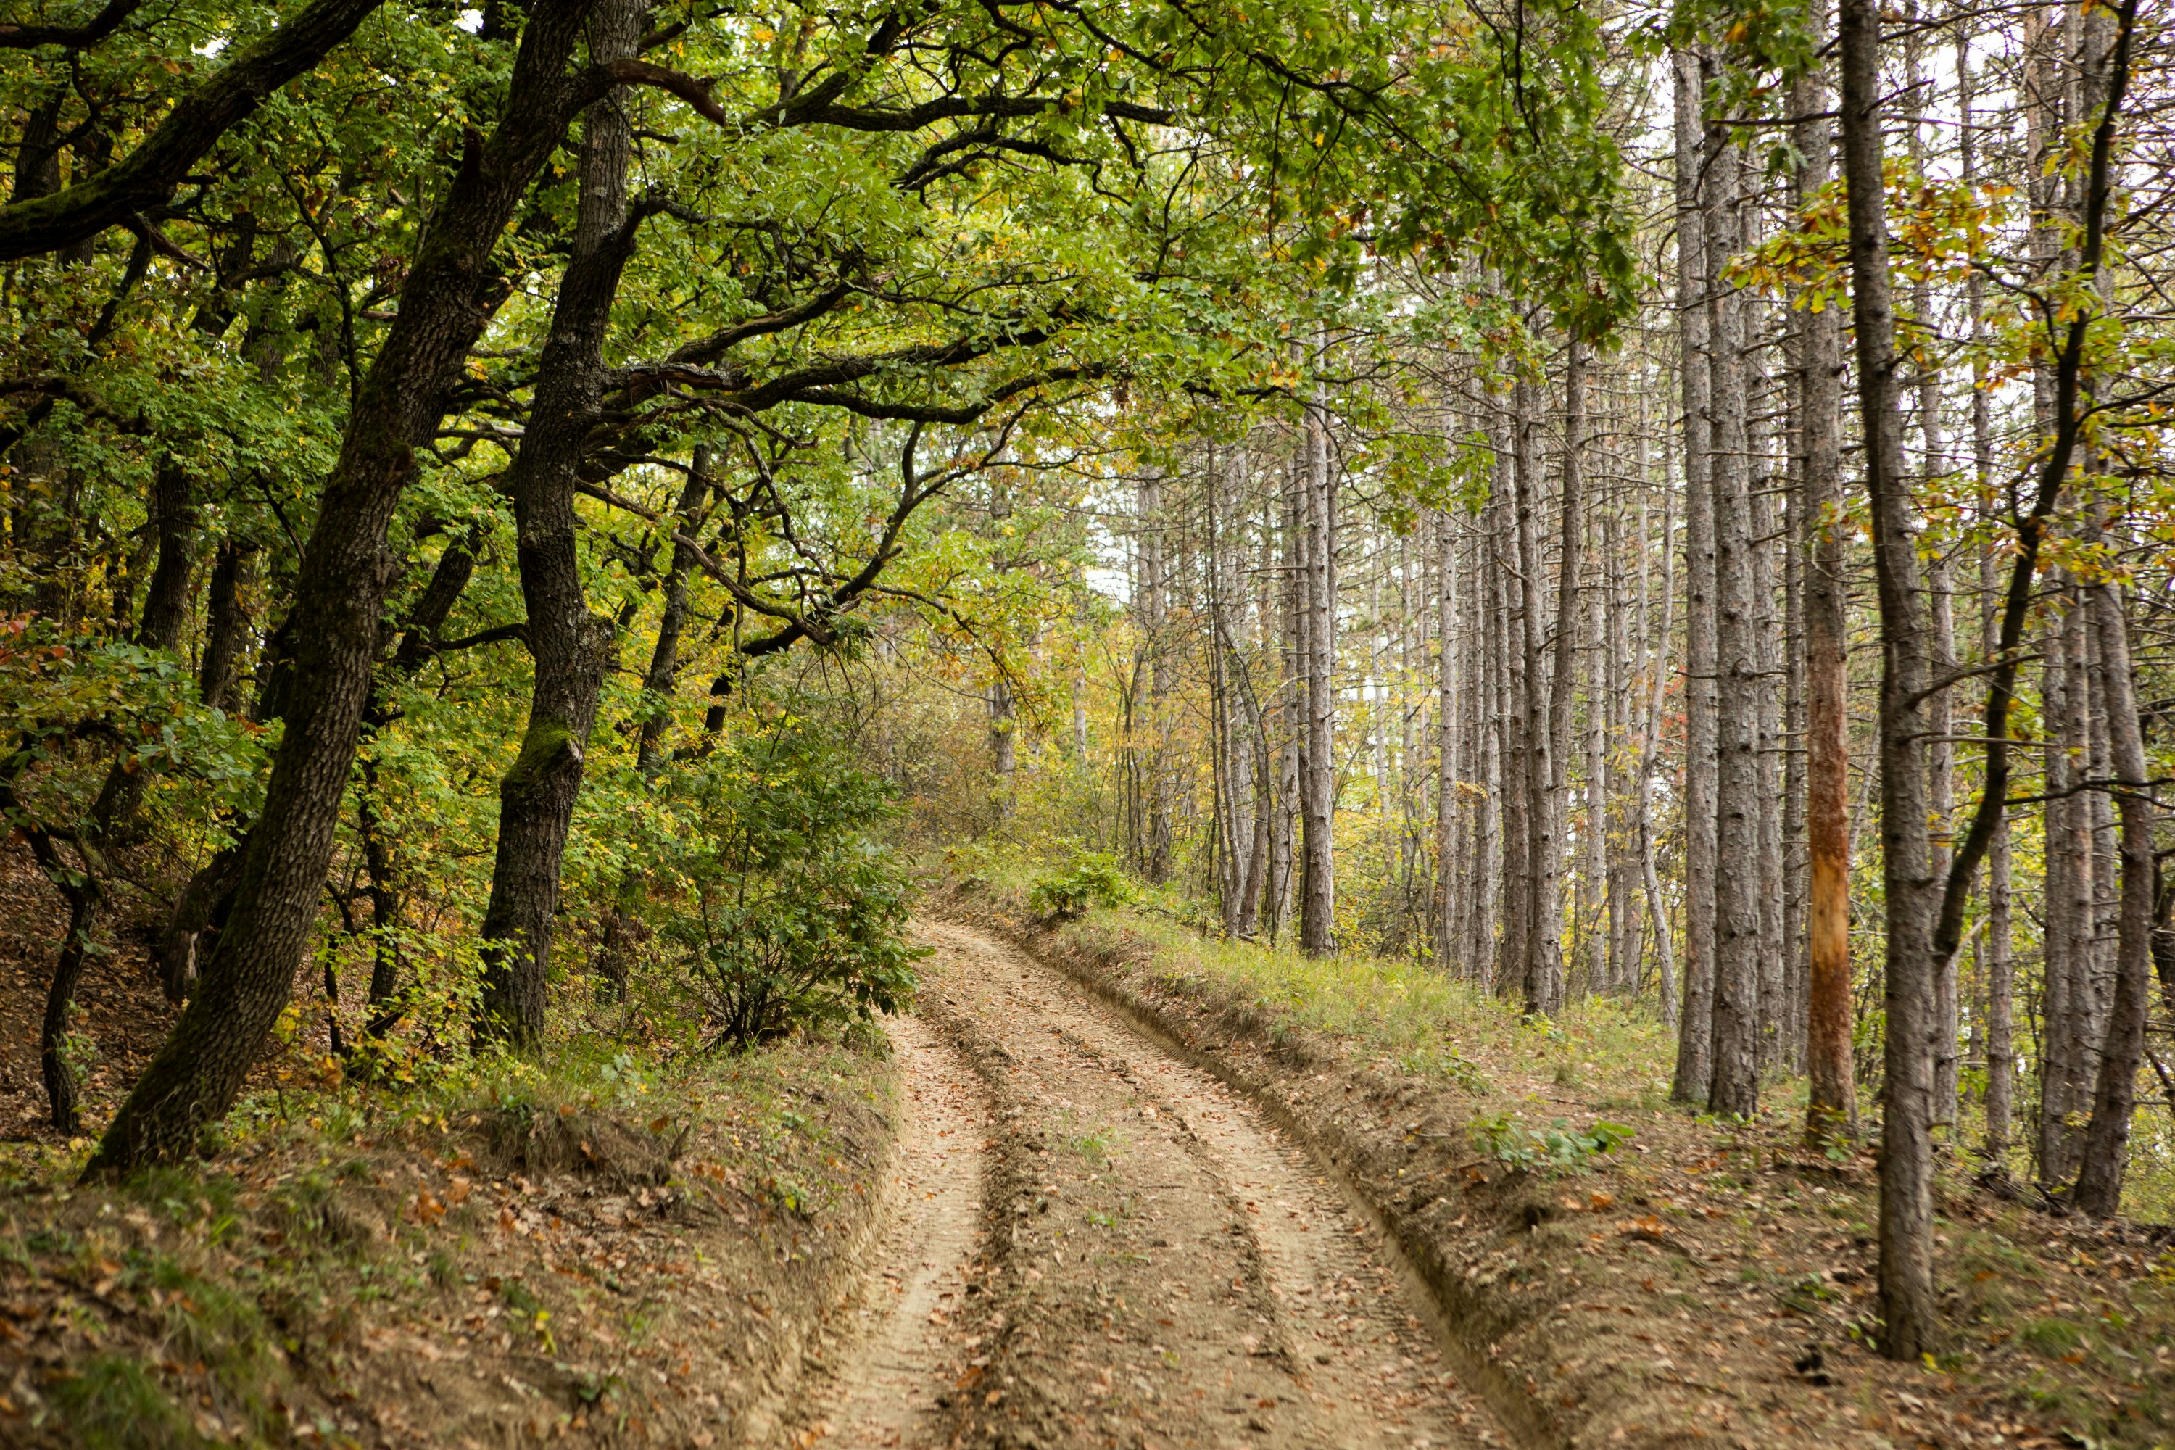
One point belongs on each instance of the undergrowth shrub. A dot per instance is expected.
(1091, 878)
(794, 911)
(1554, 1149)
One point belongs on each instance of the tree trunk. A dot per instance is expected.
(1909, 1315)
(173, 517)
(1155, 852)
(448, 296)
(1535, 968)
(1571, 510)
(1657, 653)
(2067, 1009)
(1291, 705)
(1449, 835)
(1831, 1109)
(1941, 751)
(2107, 1135)
(1695, 1025)
(1318, 791)
(1998, 970)
(1793, 945)
(226, 626)
(1003, 741)
(1734, 1087)
(569, 644)
(1490, 644)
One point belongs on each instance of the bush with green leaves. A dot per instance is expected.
(795, 913)
(1555, 1149)
(1093, 878)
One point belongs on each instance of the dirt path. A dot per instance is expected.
(1161, 1267)
(890, 1352)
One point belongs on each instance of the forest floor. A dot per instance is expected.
(608, 1250)
(1622, 1272)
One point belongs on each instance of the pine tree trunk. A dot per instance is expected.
(1535, 967)
(1909, 1314)
(1153, 612)
(1450, 853)
(1735, 1085)
(1291, 709)
(1317, 883)
(1793, 943)
(1998, 970)
(1941, 751)
(1656, 649)
(2107, 1135)
(2067, 1010)
(1695, 1025)
(1831, 1112)
(1563, 681)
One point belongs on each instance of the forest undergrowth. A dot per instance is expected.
(616, 1243)
(1646, 1274)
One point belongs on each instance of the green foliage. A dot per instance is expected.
(62, 690)
(1554, 1149)
(1093, 878)
(797, 909)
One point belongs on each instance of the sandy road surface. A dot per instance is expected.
(1156, 1264)
(884, 1368)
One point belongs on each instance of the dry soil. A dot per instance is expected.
(1093, 1244)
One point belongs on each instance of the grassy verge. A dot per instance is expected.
(1630, 1273)
(610, 1249)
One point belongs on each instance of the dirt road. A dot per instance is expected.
(1150, 1263)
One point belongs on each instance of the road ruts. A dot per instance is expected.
(1164, 1267)
(887, 1359)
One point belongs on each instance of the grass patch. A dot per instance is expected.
(112, 1403)
(1428, 1022)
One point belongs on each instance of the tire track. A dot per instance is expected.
(881, 1375)
(1168, 1268)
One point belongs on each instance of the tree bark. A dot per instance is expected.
(2107, 1135)
(1548, 1000)
(1998, 969)
(1657, 653)
(1291, 702)
(1318, 790)
(1734, 1087)
(449, 294)
(569, 644)
(2067, 1009)
(1538, 965)
(1909, 1313)
(1831, 1109)
(1154, 611)
(226, 626)
(1941, 751)
(1695, 1025)
(1449, 814)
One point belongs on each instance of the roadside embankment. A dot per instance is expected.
(610, 1251)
